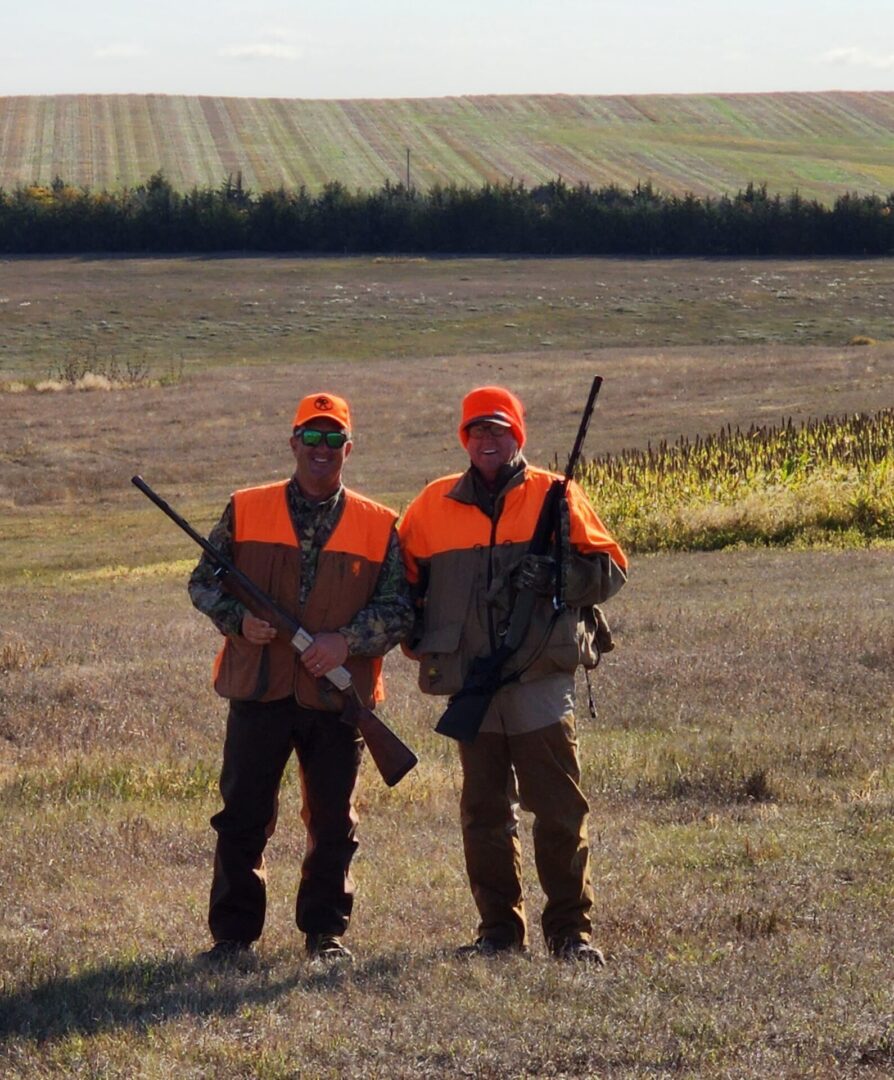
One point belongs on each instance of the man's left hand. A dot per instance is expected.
(329, 650)
(537, 572)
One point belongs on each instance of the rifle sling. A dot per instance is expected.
(517, 674)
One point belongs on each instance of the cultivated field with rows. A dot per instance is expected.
(820, 144)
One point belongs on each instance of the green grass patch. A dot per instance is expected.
(101, 781)
(173, 568)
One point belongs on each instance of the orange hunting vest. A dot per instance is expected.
(465, 560)
(266, 549)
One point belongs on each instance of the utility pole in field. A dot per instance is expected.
(408, 168)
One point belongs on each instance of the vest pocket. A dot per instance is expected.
(243, 670)
(441, 661)
(595, 636)
(562, 652)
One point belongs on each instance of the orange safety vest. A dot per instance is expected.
(266, 549)
(463, 557)
(436, 524)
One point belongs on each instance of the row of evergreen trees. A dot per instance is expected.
(553, 219)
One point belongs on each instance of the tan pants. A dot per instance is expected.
(547, 773)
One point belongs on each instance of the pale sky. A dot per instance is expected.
(414, 48)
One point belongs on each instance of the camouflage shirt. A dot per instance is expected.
(374, 630)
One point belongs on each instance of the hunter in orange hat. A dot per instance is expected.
(494, 405)
(330, 557)
(465, 540)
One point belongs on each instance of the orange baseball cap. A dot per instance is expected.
(322, 406)
(496, 405)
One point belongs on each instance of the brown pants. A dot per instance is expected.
(547, 774)
(260, 739)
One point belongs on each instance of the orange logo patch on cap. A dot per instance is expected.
(323, 404)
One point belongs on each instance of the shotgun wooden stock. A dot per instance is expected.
(392, 757)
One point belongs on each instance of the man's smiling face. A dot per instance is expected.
(318, 468)
(490, 447)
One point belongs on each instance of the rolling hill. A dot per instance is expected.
(821, 144)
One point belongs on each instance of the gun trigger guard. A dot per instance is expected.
(348, 715)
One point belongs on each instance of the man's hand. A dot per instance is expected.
(327, 652)
(257, 631)
(537, 572)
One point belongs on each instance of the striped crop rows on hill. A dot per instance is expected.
(819, 144)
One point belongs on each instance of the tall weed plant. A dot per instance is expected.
(825, 481)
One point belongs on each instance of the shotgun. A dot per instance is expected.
(391, 756)
(466, 708)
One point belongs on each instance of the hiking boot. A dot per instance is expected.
(576, 951)
(229, 953)
(485, 946)
(328, 948)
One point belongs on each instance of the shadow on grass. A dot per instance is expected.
(140, 994)
(134, 994)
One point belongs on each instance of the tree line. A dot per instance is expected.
(556, 218)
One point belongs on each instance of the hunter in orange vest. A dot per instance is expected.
(331, 558)
(465, 539)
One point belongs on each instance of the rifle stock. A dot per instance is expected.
(466, 709)
(392, 757)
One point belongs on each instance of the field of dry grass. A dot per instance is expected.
(740, 770)
(191, 315)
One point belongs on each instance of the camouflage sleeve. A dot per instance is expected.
(205, 591)
(388, 617)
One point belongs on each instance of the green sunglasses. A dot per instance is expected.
(335, 440)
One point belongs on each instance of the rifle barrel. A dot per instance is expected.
(216, 556)
(578, 447)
